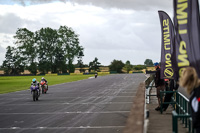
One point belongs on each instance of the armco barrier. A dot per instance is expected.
(138, 72)
(150, 72)
(17, 75)
(113, 72)
(63, 74)
(148, 90)
(76, 73)
(103, 73)
(51, 74)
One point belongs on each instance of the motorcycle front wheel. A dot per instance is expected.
(37, 95)
(43, 90)
(34, 95)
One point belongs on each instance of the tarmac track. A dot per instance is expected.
(100, 105)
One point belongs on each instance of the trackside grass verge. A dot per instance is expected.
(17, 83)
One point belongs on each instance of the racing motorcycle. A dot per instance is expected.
(35, 92)
(43, 85)
(95, 75)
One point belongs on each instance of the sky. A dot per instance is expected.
(108, 29)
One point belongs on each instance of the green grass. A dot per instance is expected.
(17, 83)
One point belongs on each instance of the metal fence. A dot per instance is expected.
(181, 110)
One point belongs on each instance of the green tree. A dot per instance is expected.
(128, 66)
(116, 65)
(148, 62)
(80, 61)
(13, 63)
(26, 44)
(47, 40)
(27, 47)
(18, 62)
(33, 67)
(8, 62)
(94, 65)
(139, 67)
(60, 61)
(70, 43)
(46, 49)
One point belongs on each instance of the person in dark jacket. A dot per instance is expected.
(159, 83)
(172, 85)
(189, 80)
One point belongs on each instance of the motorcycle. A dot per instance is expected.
(43, 85)
(35, 92)
(95, 75)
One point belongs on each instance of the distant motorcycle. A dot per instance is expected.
(95, 75)
(35, 92)
(43, 85)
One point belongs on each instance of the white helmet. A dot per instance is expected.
(42, 77)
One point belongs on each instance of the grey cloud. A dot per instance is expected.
(31, 2)
(127, 35)
(5, 41)
(2, 54)
(122, 32)
(121, 4)
(128, 4)
(9, 23)
(2, 50)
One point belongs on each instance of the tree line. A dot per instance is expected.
(45, 50)
(118, 66)
(54, 50)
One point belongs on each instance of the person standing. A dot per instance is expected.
(189, 80)
(159, 83)
(172, 86)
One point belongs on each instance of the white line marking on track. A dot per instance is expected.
(80, 127)
(15, 127)
(77, 112)
(69, 103)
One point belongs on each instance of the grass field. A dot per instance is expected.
(17, 83)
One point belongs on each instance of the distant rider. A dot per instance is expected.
(96, 75)
(43, 79)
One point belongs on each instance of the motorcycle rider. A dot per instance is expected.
(95, 75)
(43, 79)
(35, 83)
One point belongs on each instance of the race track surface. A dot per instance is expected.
(100, 105)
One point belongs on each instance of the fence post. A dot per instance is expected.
(174, 122)
(177, 103)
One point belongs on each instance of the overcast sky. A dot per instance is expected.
(108, 29)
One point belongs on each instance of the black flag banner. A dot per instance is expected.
(186, 23)
(167, 30)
